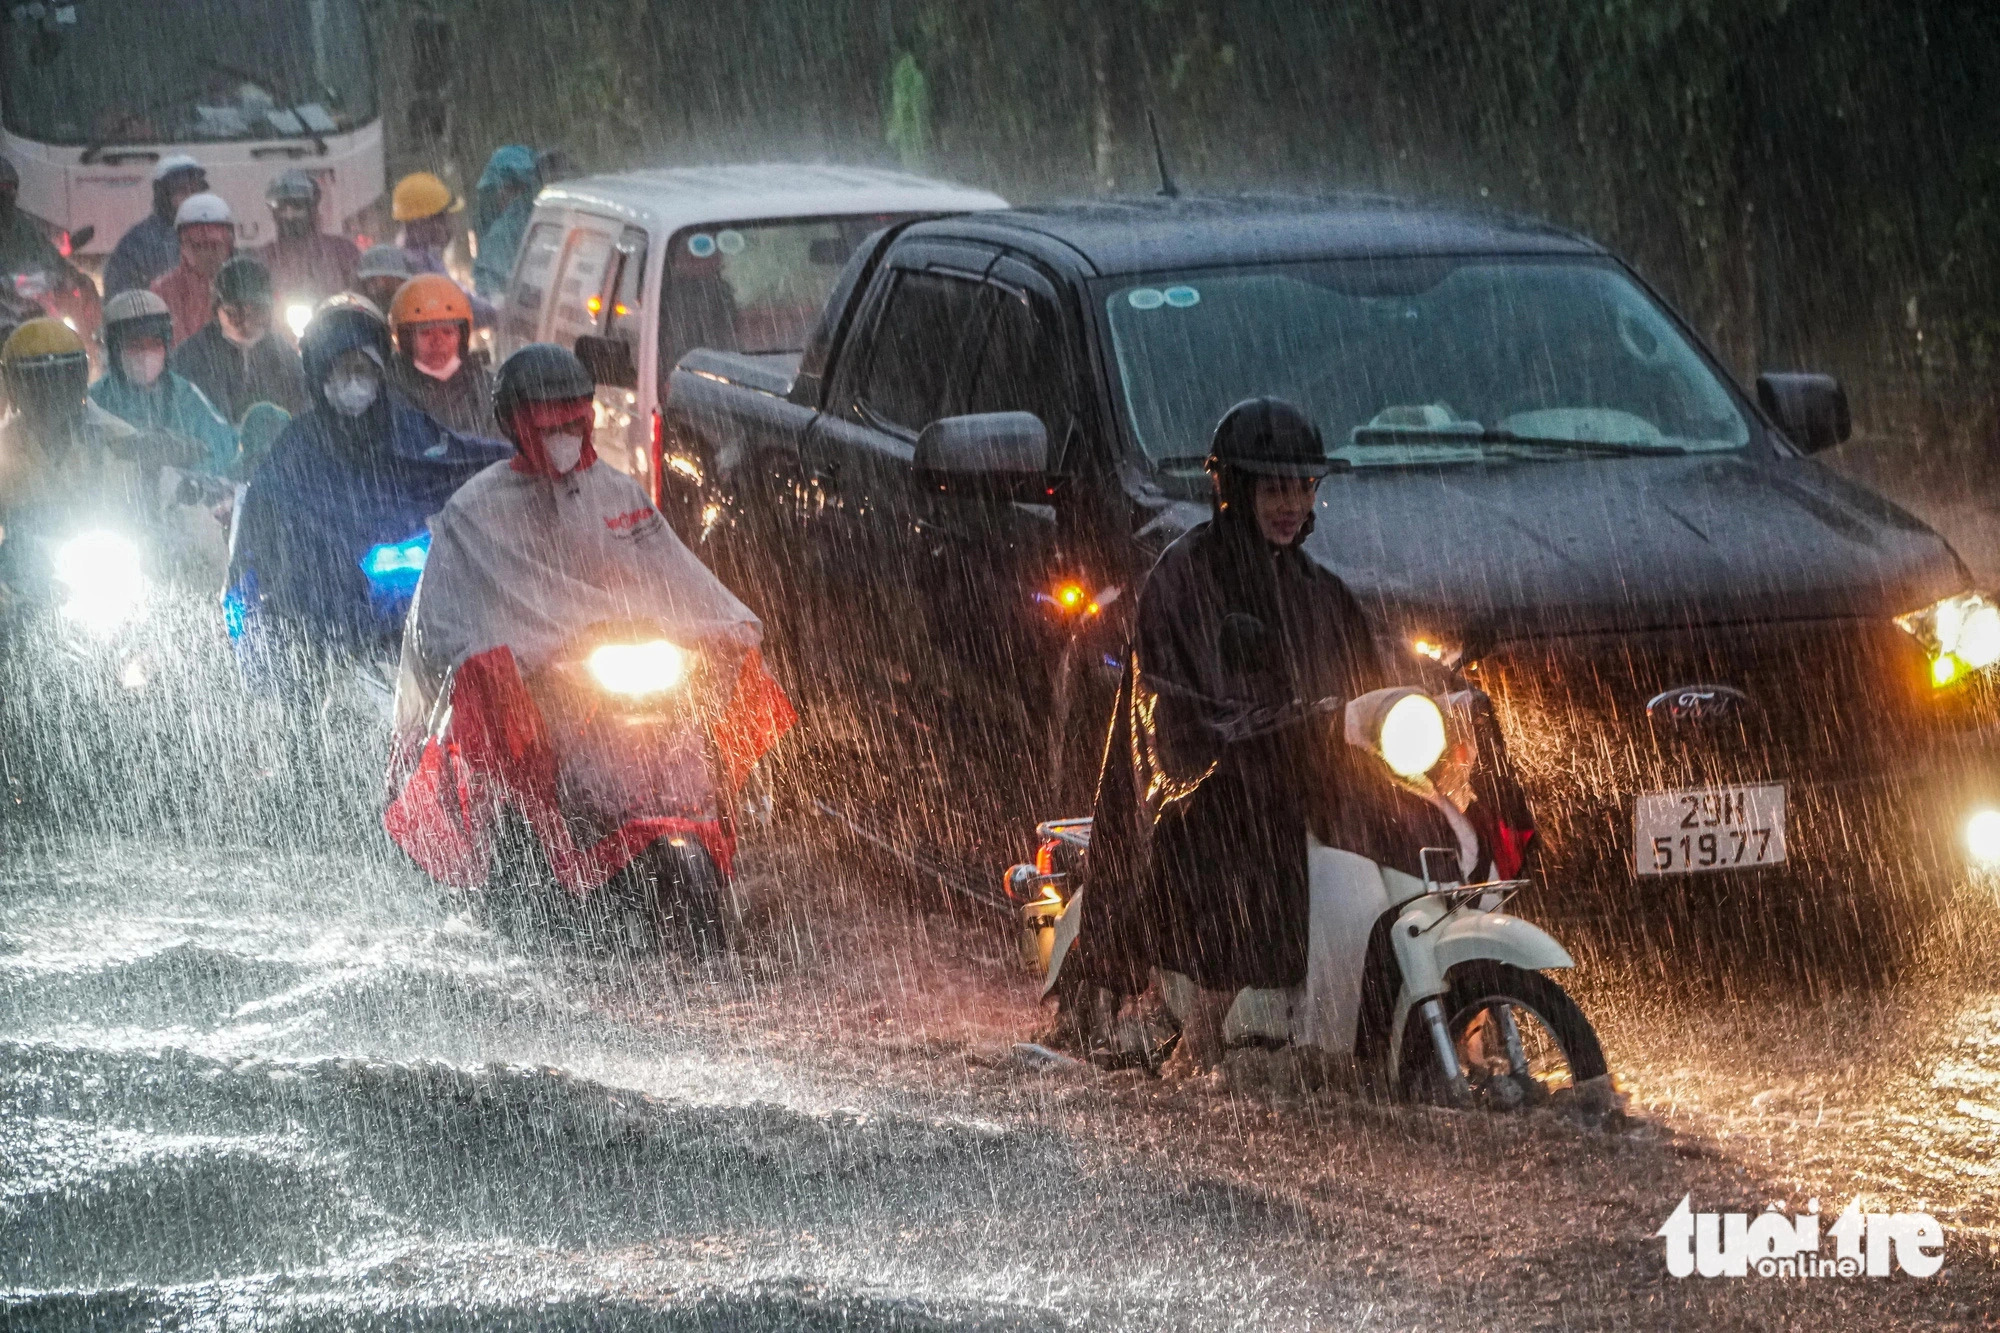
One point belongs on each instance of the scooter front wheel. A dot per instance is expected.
(1518, 1036)
(677, 887)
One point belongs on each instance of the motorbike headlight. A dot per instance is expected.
(298, 314)
(638, 669)
(105, 579)
(1406, 727)
(1961, 634)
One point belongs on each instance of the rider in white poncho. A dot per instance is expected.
(533, 551)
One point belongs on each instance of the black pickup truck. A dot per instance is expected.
(1719, 664)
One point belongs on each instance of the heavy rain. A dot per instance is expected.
(1126, 665)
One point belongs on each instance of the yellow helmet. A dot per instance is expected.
(422, 195)
(40, 338)
(45, 368)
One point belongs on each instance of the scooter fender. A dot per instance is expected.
(1427, 950)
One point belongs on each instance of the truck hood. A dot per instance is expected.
(1532, 549)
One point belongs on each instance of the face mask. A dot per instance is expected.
(443, 372)
(564, 451)
(351, 395)
(142, 368)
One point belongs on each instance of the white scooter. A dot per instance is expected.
(1425, 981)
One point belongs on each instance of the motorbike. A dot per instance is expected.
(1435, 991)
(607, 775)
(101, 655)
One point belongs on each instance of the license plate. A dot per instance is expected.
(1714, 828)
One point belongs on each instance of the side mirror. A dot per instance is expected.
(1003, 452)
(609, 360)
(1810, 409)
(1245, 644)
(82, 237)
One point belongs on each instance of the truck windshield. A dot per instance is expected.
(755, 286)
(1419, 360)
(112, 72)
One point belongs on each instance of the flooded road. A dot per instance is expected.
(247, 1091)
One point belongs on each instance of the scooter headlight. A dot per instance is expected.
(1406, 727)
(637, 670)
(1961, 634)
(105, 579)
(298, 314)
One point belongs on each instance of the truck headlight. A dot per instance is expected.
(638, 669)
(105, 580)
(1404, 726)
(1961, 634)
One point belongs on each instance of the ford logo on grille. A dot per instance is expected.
(1698, 703)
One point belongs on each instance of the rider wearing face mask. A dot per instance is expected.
(137, 387)
(237, 359)
(67, 463)
(307, 265)
(434, 368)
(358, 470)
(530, 554)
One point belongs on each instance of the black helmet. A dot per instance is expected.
(538, 373)
(243, 281)
(1268, 437)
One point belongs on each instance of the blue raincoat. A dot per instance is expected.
(331, 530)
(500, 229)
(171, 404)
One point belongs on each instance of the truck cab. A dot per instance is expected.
(1544, 482)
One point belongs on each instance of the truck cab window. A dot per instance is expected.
(1021, 368)
(916, 373)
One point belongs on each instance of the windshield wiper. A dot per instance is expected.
(1491, 435)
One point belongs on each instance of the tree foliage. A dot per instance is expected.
(1816, 181)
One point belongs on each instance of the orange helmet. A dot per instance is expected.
(430, 298)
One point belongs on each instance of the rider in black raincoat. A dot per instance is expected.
(1227, 745)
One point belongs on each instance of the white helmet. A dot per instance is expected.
(175, 162)
(201, 208)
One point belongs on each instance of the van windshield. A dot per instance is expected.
(755, 286)
(115, 72)
(1419, 360)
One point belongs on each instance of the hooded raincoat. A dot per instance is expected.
(173, 404)
(499, 228)
(1226, 749)
(333, 489)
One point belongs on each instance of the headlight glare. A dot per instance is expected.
(105, 579)
(1961, 634)
(638, 669)
(1413, 737)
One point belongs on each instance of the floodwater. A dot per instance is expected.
(243, 1090)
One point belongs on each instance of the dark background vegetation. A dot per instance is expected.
(1816, 182)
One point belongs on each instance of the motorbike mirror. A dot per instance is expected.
(609, 360)
(82, 237)
(1245, 643)
(1001, 453)
(1811, 409)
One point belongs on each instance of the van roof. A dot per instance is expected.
(671, 198)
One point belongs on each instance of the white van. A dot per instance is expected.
(736, 257)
